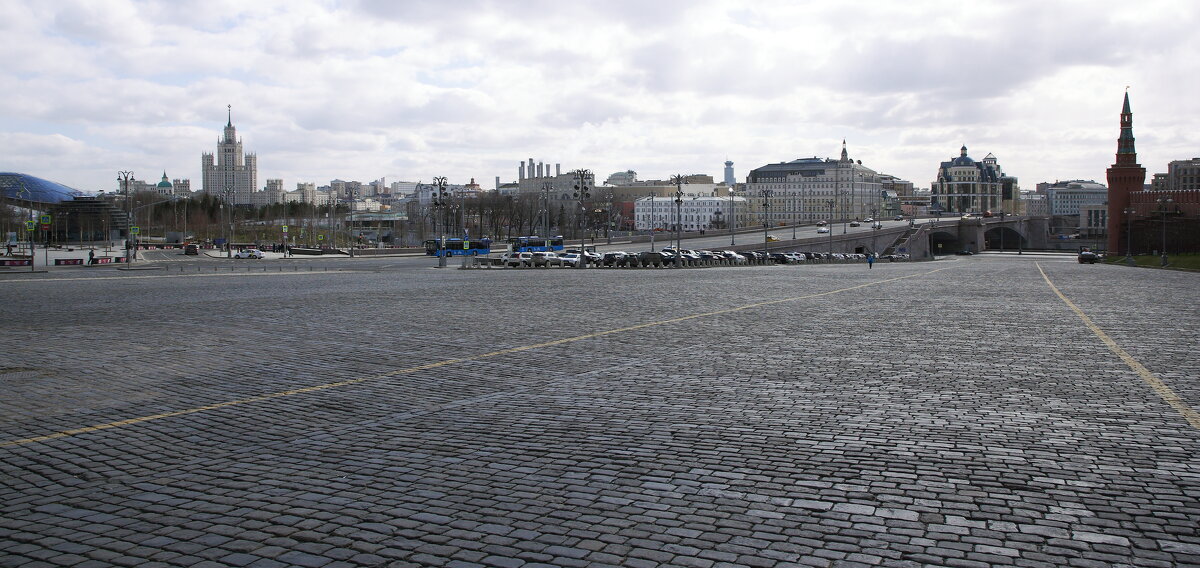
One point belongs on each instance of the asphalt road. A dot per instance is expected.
(973, 411)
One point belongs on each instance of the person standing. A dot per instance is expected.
(871, 260)
(91, 257)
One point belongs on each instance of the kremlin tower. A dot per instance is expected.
(1125, 177)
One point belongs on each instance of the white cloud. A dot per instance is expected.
(409, 90)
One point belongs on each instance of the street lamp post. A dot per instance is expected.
(732, 220)
(439, 199)
(766, 197)
(875, 227)
(125, 177)
(582, 193)
(29, 225)
(831, 203)
(678, 180)
(1164, 203)
(608, 197)
(1129, 211)
(226, 195)
(353, 200)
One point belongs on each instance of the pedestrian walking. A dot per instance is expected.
(871, 260)
(91, 257)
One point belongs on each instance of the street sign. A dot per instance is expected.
(320, 237)
(135, 230)
(44, 219)
(285, 229)
(29, 225)
(45, 226)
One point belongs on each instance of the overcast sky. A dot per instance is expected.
(364, 89)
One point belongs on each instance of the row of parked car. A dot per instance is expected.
(670, 256)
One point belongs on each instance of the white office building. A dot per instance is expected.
(694, 212)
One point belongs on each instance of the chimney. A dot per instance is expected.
(521, 172)
(497, 183)
(558, 169)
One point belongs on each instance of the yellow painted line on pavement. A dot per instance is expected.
(1155, 383)
(409, 370)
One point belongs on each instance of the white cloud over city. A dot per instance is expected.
(360, 90)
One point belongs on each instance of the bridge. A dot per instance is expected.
(933, 237)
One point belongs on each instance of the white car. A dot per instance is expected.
(569, 259)
(517, 259)
(248, 253)
(823, 230)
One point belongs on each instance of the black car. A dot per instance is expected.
(648, 258)
(1087, 256)
(613, 259)
(191, 249)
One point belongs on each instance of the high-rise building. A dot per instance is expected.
(233, 172)
(729, 179)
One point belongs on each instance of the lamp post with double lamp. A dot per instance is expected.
(353, 201)
(1129, 211)
(876, 225)
(765, 194)
(582, 193)
(732, 219)
(651, 221)
(1164, 205)
(439, 199)
(830, 231)
(227, 205)
(125, 177)
(608, 222)
(31, 223)
(678, 180)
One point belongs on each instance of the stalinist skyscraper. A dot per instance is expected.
(234, 171)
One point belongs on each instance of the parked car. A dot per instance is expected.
(735, 257)
(516, 259)
(1087, 256)
(614, 258)
(649, 258)
(570, 259)
(248, 253)
(191, 249)
(547, 258)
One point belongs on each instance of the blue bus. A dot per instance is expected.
(459, 247)
(536, 244)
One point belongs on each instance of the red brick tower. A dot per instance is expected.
(1125, 176)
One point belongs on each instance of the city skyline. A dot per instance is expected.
(368, 90)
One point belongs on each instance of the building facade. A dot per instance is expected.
(230, 173)
(1182, 175)
(964, 185)
(811, 189)
(694, 212)
(1070, 197)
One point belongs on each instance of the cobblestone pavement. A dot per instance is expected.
(952, 413)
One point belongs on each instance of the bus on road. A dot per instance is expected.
(459, 247)
(536, 244)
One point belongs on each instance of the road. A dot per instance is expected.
(973, 411)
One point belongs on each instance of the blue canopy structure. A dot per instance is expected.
(24, 187)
